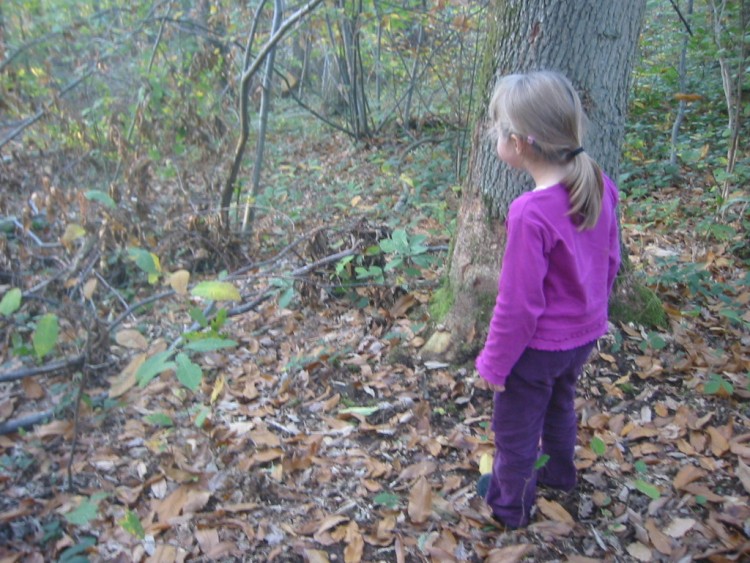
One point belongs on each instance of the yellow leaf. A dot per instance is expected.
(179, 281)
(355, 201)
(218, 388)
(72, 232)
(90, 287)
(485, 463)
(684, 97)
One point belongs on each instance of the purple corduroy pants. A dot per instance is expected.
(535, 415)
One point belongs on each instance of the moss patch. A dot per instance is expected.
(636, 303)
(441, 302)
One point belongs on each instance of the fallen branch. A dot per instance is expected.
(52, 367)
(23, 423)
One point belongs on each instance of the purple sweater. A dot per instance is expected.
(555, 280)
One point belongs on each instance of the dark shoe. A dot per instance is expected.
(483, 484)
(500, 521)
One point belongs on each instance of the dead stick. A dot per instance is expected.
(51, 367)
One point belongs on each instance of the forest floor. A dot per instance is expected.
(326, 437)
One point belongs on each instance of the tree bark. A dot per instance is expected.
(594, 44)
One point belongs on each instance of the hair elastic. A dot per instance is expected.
(574, 153)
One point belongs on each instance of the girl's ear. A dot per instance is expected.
(517, 144)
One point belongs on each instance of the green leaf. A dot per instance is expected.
(156, 364)
(159, 419)
(216, 291)
(598, 446)
(11, 302)
(647, 489)
(82, 515)
(101, 197)
(210, 344)
(387, 499)
(541, 462)
(286, 297)
(188, 373)
(712, 387)
(145, 260)
(73, 553)
(393, 264)
(132, 525)
(640, 466)
(196, 313)
(387, 246)
(202, 415)
(45, 335)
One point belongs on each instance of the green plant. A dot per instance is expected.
(406, 251)
(717, 385)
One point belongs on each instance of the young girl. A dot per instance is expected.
(559, 266)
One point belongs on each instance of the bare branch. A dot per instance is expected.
(51, 367)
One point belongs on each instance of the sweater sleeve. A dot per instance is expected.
(520, 300)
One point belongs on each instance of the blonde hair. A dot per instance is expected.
(544, 109)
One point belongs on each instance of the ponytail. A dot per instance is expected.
(585, 188)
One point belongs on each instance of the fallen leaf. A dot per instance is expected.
(551, 529)
(509, 554)
(32, 389)
(660, 540)
(122, 383)
(679, 527)
(328, 523)
(90, 287)
(355, 544)
(265, 438)
(129, 338)
(179, 281)
(421, 469)
(639, 551)
(6, 408)
(686, 475)
(555, 511)
(402, 305)
(743, 472)
(54, 428)
(316, 556)
(207, 538)
(420, 501)
(697, 489)
(719, 444)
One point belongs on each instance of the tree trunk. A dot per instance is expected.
(594, 44)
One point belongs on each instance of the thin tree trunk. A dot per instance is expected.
(683, 86)
(265, 104)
